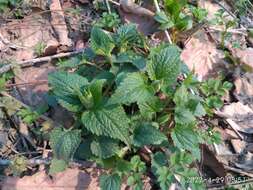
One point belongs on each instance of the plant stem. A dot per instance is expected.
(166, 31)
(108, 6)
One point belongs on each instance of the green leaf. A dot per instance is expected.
(165, 65)
(184, 137)
(57, 166)
(127, 35)
(133, 88)
(104, 147)
(101, 42)
(146, 134)
(66, 87)
(108, 121)
(183, 115)
(149, 108)
(110, 182)
(181, 96)
(163, 19)
(64, 142)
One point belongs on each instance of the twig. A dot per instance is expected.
(32, 62)
(114, 2)
(108, 6)
(238, 171)
(234, 126)
(166, 31)
(223, 7)
(241, 31)
(26, 83)
(47, 161)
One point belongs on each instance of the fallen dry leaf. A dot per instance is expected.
(202, 56)
(245, 56)
(238, 145)
(241, 114)
(59, 24)
(35, 84)
(70, 179)
(209, 162)
(244, 89)
(142, 17)
(25, 34)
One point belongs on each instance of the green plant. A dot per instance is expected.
(221, 19)
(127, 101)
(29, 116)
(39, 48)
(108, 21)
(5, 4)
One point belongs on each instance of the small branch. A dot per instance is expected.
(32, 62)
(166, 31)
(47, 161)
(108, 6)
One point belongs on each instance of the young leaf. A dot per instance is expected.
(183, 115)
(133, 88)
(57, 166)
(127, 34)
(64, 143)
(107, 121)
(110, 182)
(146, 134)
(165, 65)
(101, 42)
(184, 137)
(66, 87)
(149, 108)
(104, 147)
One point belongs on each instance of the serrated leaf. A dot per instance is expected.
(133, 88)
(181, 96)
(57, 166)
(128, 34)
(101, 42)
(108, 121)
(184, 115)
(164, 64)
(110, 182)
(104, 147)
(64, 143)
(146, 134)
(184, 137)
(66, 87)
(149, 108)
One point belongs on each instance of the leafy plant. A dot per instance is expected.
(39, 48)
(108, 21)
(124, 101)
(8, 3)
(221, 19)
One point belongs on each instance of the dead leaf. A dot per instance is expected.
(202, 56)
(25, 34)
(71, 179)
(59, 24)
(35, 88)
(210, 164)
(142, 17)
(244, 89)
(241, 114)
(238, 145)
(213, 7)
(245, 56)
(246, 162)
